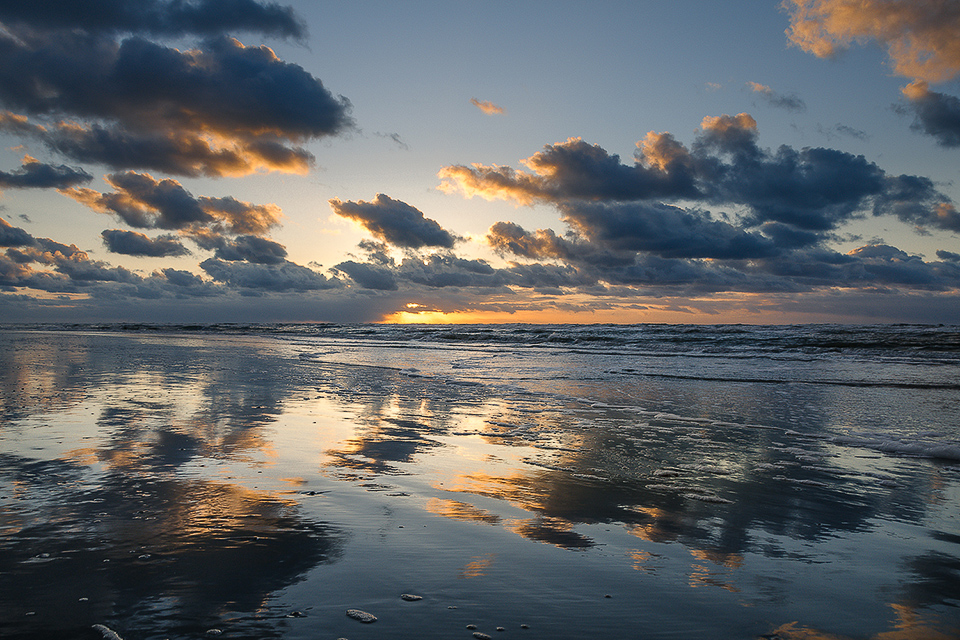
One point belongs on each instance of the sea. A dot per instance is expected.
(522, 481)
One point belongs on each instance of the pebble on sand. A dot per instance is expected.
(107, 632)
(480, 636)
(409, 597)
(362, 616)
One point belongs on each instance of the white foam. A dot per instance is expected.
(917, 448)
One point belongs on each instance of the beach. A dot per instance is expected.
(517, 482)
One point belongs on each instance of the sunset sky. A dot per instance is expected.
(640, 161)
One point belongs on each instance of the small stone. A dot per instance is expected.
(214, 632)
(524, 626)
(106, 632)
(471, 626)
(453, 606)
(362, 616)
(480, 636)
(409, 597)
(296, 614)
(500, 629)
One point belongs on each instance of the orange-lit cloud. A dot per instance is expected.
(489, 182)
(920, 37)
(144, 202)
(487, 107)
(725, 123)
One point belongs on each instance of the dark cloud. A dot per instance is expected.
(11, 236)
(935, 114)
(144, 202)
(157, 17)
(132, 243)
(948, 256)
(842, 129)
(663, 230)
(790, 102)
(447, 270)
(509, 237)
(220, 109)
(286, 276)
(252, 249)
(574, 170)
(34, 174)
(915, 200)
(812, 189)
(369, 276)
(395, 222)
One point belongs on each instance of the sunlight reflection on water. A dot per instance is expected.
(167, 486)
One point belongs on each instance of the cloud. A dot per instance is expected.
(842, 129)
(158, 17)
(252, 249)
(396, 139)
(132, 243)
(812, 189)
(936, 114)
(11, 236)
(572, 169)
(34, 174)
(663, 230)
(144, 202)
(487, 107)
(790, 102)
(920, 37)
(222, 108)
(369, 276)
(395, 222)
(285, 276)
(948, 256)
(60, 267)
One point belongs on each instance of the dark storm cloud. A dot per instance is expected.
(132, 243)
(286, 276)
(935, 114)
(34, 174)
(813, 189)
(220, 109)
(395, 222)
(157, 17)
(144, 202)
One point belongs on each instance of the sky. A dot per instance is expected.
(751, 161)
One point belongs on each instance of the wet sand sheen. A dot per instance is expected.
(168, 486)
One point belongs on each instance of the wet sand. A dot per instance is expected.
(176, 486)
